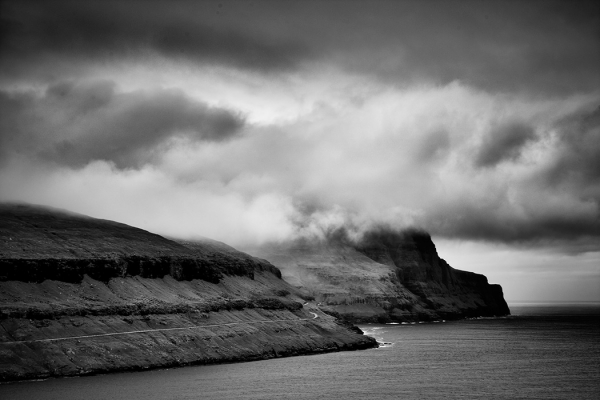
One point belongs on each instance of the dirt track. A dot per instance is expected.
(157, 330)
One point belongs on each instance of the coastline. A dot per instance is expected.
(367, 345)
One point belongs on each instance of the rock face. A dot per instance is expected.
(80, 296)
(385, 276)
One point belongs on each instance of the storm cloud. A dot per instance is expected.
(578, 161)
(76, 123)
(74, 33)
(504, 143)
(538, 46)
(250, 122)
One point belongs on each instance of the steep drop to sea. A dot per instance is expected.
(387, 275)
(80, 296)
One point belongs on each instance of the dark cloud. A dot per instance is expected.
(409, 150)
(539, 46)
(75, 123)
(535, 46)
(579, 159)
(485, 223)
(554, 204)
(503, 143)
(545, 47)
(96, 30)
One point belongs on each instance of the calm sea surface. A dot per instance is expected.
(540, 352)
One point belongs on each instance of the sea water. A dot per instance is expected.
(540, 352)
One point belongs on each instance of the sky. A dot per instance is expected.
(258, 121)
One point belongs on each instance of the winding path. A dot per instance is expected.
(159, 330)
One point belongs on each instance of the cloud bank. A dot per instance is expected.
(439, 158)
(74, 124)
(249, 124)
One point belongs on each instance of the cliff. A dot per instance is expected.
(80, 296)
(385, 276)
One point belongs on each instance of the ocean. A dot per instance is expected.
(542, 351)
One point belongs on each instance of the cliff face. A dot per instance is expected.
(386, 276)
(81, 296)
(446, 291)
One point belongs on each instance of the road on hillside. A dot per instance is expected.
(159, 330)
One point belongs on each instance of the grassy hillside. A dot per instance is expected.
(80, 295)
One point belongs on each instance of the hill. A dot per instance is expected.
(80, 295)
(385, 276)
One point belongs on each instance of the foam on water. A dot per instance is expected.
(378, 333)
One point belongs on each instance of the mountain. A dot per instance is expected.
(80, 295)
(385, 276)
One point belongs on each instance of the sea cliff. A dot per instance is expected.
(386, 275)
(81, 296)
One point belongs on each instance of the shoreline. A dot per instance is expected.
(265, 356)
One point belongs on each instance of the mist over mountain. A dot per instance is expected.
(383, 275)
(256, 122)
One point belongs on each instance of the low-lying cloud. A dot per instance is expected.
(437, 158)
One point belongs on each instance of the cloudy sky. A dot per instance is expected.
(253, 121)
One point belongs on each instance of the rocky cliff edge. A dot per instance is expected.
(385, 276)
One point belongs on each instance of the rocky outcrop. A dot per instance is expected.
(81, 296)
(448, 292)
(385, 276)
